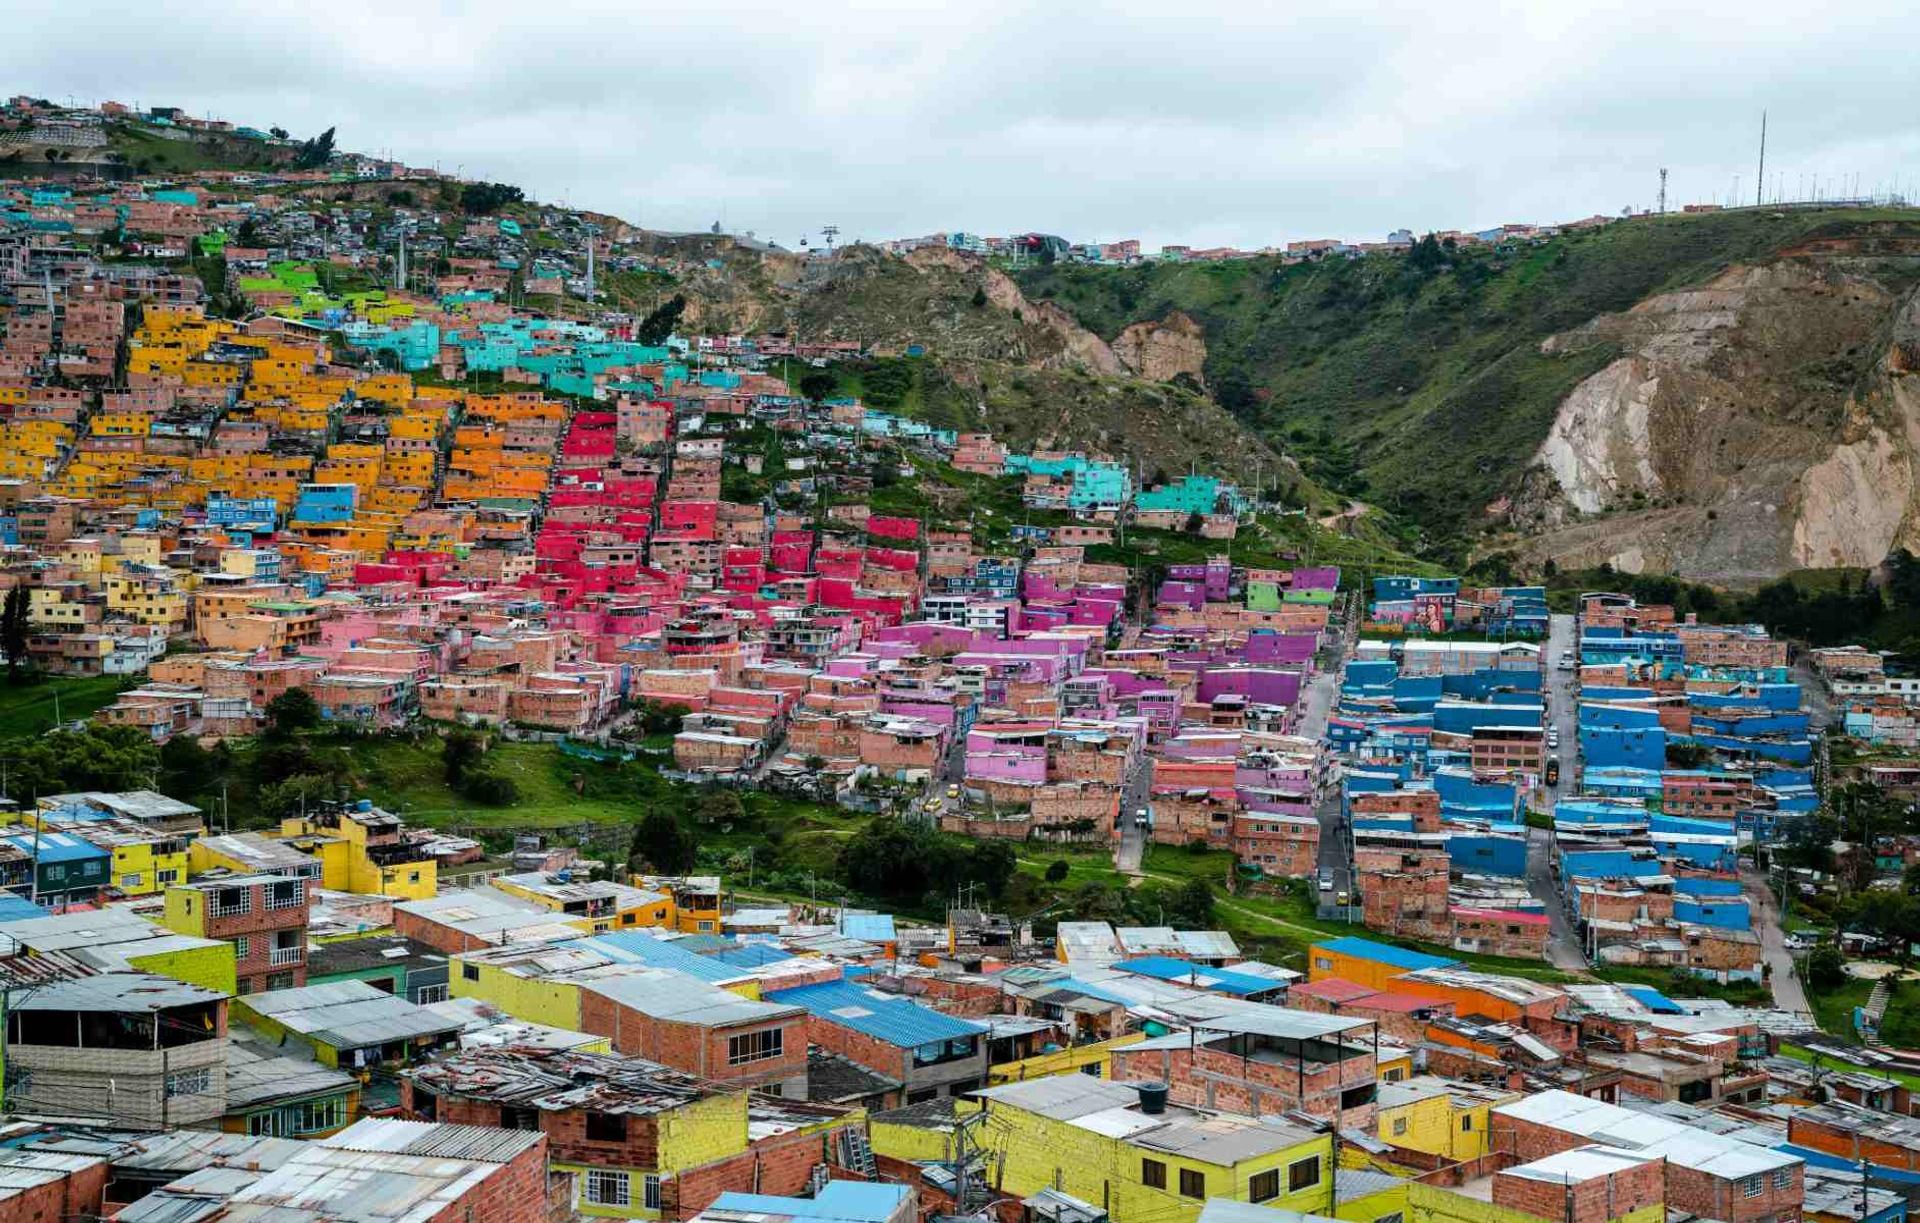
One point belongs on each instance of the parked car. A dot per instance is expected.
(1141, 819)
(1553, 770)
(1326, 878)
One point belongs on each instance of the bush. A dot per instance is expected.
(491, 789)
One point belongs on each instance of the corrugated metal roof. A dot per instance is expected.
(889, 1017)
(1383, 953)
(440, 1140)
(346, 1014)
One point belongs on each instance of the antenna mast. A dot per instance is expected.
(1760, 180)
(1663, 191)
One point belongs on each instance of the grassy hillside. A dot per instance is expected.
(1422, 389)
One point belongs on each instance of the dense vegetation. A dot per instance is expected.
(1826, 607)
(1417, 383)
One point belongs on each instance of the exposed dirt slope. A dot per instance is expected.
(1760, 421)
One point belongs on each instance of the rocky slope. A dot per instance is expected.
(994, 358)
(1757, 422)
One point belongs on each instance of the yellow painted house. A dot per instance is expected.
(1437, 1116)
(1101, 1142)
(361, 849)
(596, 906)
(115, 940)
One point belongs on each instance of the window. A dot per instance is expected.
(1265, 1186)
(1399, 1126)
(429, 994)
(650, 1191)
(1782, 1178)
(1466, 1124)
(1750, 1186)
(131, 881)
(606, 1127)
(197, 1082)
(469, 972)
(606, 1188)
(626, 919)
(242, 947)
(1303, 1174)
(165, 877)
(1153, 1174)
(1193, 1184)
(1091, 1068)
(755, 1046)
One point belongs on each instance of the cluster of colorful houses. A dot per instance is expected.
(1686, 740)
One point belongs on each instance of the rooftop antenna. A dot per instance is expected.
(1663, 191)
(1760, 179)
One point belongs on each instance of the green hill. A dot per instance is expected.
(1419, 384)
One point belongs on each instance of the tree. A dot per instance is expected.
(278, 133)
(1191, 905)
(662, 845)
(460, 755)
(659, 323)
(185, 766)
(1826, 969)
(719, 807)
(490, 789)
(1057, 870)
(285, 799)
(13, 628)
(482, 198)
(1425, 255)
(817, 384)
(315, 152)
(292, 711)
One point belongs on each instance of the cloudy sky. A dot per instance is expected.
(1241, 123)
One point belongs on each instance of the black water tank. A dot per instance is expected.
(1153, 1098)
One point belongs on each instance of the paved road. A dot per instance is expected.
(1133, 796)
(1784, 971)
(1336, 845)
(1563, 944)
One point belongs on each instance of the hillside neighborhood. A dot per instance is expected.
(480, 744)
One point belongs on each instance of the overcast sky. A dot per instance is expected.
(1241, 123)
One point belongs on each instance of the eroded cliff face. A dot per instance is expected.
(1162, 351)
(1765, 420)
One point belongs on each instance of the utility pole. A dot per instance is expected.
(1663, 191)
(1760, 179)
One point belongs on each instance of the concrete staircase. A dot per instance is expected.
(1875, 1008)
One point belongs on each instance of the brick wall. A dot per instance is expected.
(876, 1055)
(517, 1189)
(1590, 1201)
(72, 1196)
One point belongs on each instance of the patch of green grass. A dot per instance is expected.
(28, 708)
(1900, 1026)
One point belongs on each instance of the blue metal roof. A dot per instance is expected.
(898, 1021)
(633, 947)
(1219, 980)
(1384, 953)
(868, 927)
(852, 1201)
(751, 955)
(57, 847)
(18, 908)
(1654, 1000)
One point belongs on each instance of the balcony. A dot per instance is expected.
(286, 955)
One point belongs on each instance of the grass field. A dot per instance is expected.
(28, 709)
